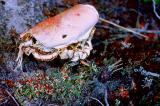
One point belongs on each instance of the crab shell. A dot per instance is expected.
(65, 28)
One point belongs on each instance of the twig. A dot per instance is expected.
(115, 65)
(121, 27)
(12, 97)
(116, 70)
(106, 98)
(134, 29)
(1, 104)
(154, 9)
(146, 31)
(97, 100)
(146, 73)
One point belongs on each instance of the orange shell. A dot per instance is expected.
(65, 28)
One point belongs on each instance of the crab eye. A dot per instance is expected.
(27, 37)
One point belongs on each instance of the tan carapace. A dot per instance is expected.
(67, 34)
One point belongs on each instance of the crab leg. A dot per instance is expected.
(91, 33)
(20, 55)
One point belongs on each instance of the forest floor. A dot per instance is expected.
(122, 69)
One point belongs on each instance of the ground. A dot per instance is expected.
(122, 69)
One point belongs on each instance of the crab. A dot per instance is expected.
(67, 35)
